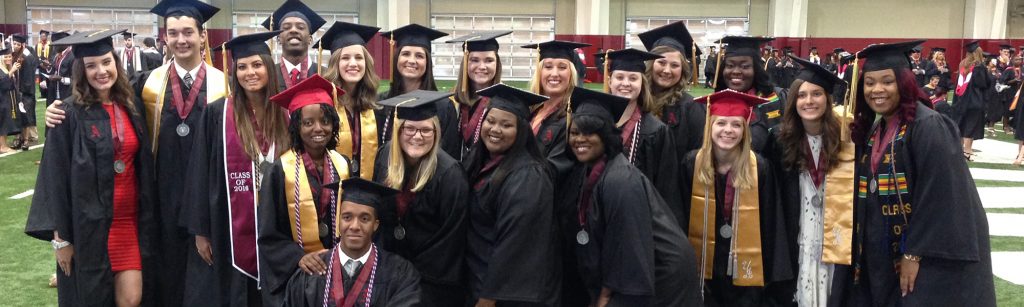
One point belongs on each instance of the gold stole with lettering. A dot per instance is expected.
(747, 233)
(156, 86)
(837, 246)
(307, 208)
(368, 137)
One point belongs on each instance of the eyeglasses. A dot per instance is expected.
(411, 131)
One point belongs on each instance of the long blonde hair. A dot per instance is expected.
(536, 88)
(364, 94)
(396, 160)
(742, 171)
(973, 59)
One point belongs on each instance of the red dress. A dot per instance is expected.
(123, 238)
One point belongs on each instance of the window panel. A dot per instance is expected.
(248, 22)
(517, 62)
(89, 19)
(705, 31)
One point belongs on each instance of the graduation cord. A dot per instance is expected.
(369, 287)
(298, 219)
(298, 224)
(634, 141)
(704, 243)
(896, 183)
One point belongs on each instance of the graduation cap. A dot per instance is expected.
(480, 41)
(343, 34)
(507, 98)
(972, 45)
(887, 56)
(312, 90)
(674, 35)
(838, 50)
(728, 102)
(20, 38)
(127, 35)
(199, 11)
(42, 32)
(1005, 47)
(416, 105)
(87, 44)
(248, 45)
(629, 60)
(586, 102)
(916, 49)
(55, 36)
(294, 8)
(817, 74)
(744, 45)
(938, 49)
(414, 35)
(365, 192)
(814, 48)
(557, 49)
(4, 49)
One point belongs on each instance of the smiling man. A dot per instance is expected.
(297, 23)
(357, 271)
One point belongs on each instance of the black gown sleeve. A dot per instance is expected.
(695, 117)
(51, 202)
(304, 290)
(627, 250)
(662, 168)
(774, 240)
(279, 254)
(403, 283)
(448, 115)
(442, 256)
(946, 208)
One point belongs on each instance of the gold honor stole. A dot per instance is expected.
(156, 86)
(747, 237)
(367, 137)
(837, 246)
(307, 208)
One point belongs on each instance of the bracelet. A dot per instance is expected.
(912, 257)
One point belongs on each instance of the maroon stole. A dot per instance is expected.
(241, 189)
(470, 123)
(334, 289)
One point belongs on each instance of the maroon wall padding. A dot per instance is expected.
(954, 46)
(11, 28)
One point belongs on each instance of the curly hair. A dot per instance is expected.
(295, 128)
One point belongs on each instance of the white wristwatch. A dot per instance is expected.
(59, 245)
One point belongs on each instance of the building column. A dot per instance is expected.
(985, 19)
(592, 17)
(788, 18)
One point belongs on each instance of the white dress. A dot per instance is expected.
(814, 279)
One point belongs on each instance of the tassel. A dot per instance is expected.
(718, 67)
(604, 70)
(850, 106)
(693, 60)
(391, 49)
(319, 54)
(465, 68)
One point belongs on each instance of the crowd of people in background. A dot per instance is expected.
(837, 179)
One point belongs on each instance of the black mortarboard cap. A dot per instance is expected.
(4, 49)
(20, 38)
(744, 45)
(512, 99)
(416, 105)
(838, 50)
(248, 45)
(887, 56)
(557, 49)
(199, 11)
(59, 35)
(674, 35)
(365, 192)
(343, 34)
(586, 102)
(295, 8)
(972, 45)
(90, 43)
(938, 49)
(41, 32)
(629, 60)
(916, 49)
(817, 74)
(414, 35)
(1005, 46)
(480, 41)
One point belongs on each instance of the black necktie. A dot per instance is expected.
(188, 81)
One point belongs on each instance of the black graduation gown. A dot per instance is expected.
(771, 67)
(9, 97)
(204, 212)
(282, 75)
(762, 124)
(279, 254)
(396, 284)
(74, 195)
(685, 119)
(655, 157)
(512, 251)
(719, 291)
(635, 242)
(57, 90)
(153, 59)
(435, 224)
(948, 228)
(552, 139)
(173, 155)
(970, 108)
(944, 77)
(922, 67)
(27, 86)
(464, 145)
(1008, 77)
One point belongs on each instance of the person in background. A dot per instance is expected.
(297, 23)
(710, 65)
(10, 96)
(670, 101)
(937, 65)
(919, 66)
(131, 55)
(599, 63)
(814, 57)
(150, 54)
(57, 78)
(1010, 78)
(26, 107)
(973, 83)
(742, 71)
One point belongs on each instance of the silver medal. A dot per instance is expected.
(182, 129)
(582, 237)
(873, 185)
(355, 166)
(400, 232)
(725, 231)
(323, 228)
(816, 200)
(119, 166)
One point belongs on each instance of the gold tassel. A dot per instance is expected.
(391, 50)
(850, 107)
(465, 68)
(224, 61)
(693, 60)
(319, 54)
(718, 67)
(604, 70)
